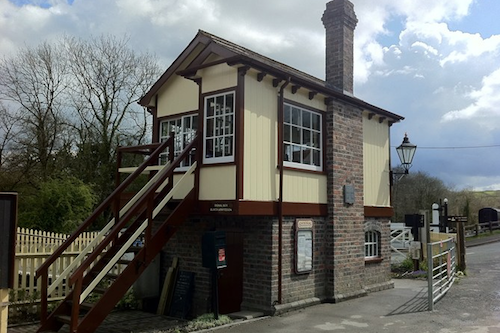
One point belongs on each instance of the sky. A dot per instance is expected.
(436, 63)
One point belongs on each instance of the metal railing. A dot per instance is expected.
(441, 269)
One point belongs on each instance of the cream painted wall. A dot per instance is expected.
(218, 77)
(302, 97)
(261, 174)
(218, 183)
(260, 160)
(178, 95)
(186, 186)
(304, 187)
(376, 162)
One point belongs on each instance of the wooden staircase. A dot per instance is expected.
(96, 286)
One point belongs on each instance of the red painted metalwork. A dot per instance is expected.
(69, 310)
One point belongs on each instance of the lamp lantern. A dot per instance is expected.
(406, 151)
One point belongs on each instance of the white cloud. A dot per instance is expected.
(466, 46)
(427, 49)
(422, 21)
(171, 12)
(485, 105)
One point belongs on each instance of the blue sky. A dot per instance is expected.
(437, 63)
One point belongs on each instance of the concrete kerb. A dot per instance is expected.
(233, 323)
(482, 240)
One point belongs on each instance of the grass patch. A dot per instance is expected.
(404, 270)
(202, 322)
(485, 234)
(206, 321)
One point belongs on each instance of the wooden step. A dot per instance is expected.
(64, 319)
(86, 306)
(100, 290)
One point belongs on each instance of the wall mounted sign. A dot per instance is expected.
(349, 194)
(303, 246)
(221, 207)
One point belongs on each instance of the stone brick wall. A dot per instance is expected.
(379, 272)
(259, 257)
(186, 245)
(345, 227)
(260, 261)
(340, 20)
(297, 287)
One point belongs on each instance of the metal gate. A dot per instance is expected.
(441, 269)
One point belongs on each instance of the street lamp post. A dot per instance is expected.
(406, 151)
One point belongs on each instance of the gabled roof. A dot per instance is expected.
(237, 55)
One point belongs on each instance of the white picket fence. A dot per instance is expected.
(33, 247)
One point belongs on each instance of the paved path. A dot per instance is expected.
(472, 305)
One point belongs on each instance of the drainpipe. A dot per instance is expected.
(281, 100)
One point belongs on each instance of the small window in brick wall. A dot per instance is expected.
(372, 244)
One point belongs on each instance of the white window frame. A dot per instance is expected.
(302, 139)
(184, 134)
(222, 120)
(372, 244)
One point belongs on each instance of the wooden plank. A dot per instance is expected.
(167, 287)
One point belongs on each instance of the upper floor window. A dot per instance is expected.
(302, 138)
(184, 129)
(218, 143)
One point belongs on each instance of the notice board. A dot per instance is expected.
(303, 246)
(182, 298)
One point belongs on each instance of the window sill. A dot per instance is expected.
(318, 172)
(373, 260)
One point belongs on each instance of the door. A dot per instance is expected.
(231, 277)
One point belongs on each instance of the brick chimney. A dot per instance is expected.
(340, 20)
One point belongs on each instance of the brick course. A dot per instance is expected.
(345, 232)
(340, 20)
(379, 273)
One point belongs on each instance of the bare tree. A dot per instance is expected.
(65, 107)
(7, 131)
(33, 82)
(108, 80)
(416, 192)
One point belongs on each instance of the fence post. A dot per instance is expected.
(430, 277)
(4, 309)
(461, 246)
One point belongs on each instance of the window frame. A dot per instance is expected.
(223, 129)
(315, 133)
(180, 141)
(372, 245)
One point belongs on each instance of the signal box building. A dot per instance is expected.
(294, 169)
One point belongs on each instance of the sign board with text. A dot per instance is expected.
(303, 246)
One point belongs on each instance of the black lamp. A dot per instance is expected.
(406, 151)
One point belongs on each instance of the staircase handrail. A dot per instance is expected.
(100, 209)
(140, 149)
(101, 234)
(78, 273)
(136, 234)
